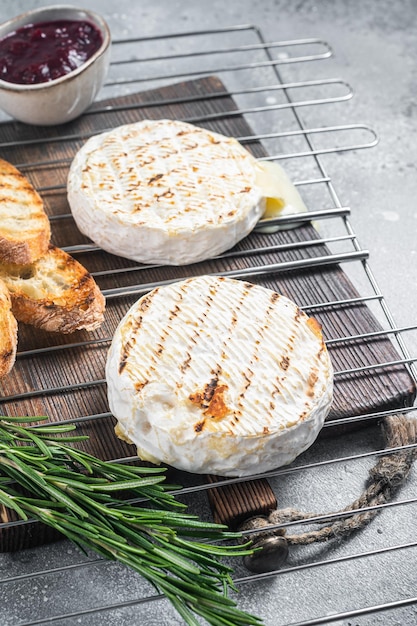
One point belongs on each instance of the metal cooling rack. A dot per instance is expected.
(272, 84)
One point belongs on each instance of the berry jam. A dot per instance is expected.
(38, 53)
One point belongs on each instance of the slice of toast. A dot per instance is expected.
(24, 226)
(8, 332)
(55, 293)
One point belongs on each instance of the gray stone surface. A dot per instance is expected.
(375, 51)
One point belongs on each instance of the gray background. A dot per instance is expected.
(375, 51)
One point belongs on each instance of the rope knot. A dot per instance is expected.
(391, 470)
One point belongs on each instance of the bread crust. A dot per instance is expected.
(56, 293)
(25, 230)
(8, 332)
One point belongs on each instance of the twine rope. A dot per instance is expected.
(385, 479)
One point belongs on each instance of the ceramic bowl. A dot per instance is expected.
(65, 98)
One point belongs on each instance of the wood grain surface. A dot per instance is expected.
(66, 381)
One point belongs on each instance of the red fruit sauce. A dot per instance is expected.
(38, 53)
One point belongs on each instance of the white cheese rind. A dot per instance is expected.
(219, 376)
(164, 192)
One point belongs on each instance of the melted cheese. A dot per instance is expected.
(282, 197)
(215, 375)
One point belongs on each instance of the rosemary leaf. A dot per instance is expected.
(11, 502)
(184, 611)
(79, 495)
(129, 484)
(170, 556)
(24, 419)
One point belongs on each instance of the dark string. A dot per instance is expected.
(385, 479)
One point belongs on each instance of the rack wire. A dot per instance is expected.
(55, 583)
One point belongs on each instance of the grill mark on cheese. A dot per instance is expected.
(119, 161)
(160, 344)
(285, 362)
(133, 326)
(314, 325)
(228, 337)
(199, 426)
(155, 178)
(311, 381)
(221, 406)
(193, 339)
(165, 194)
(313, 377)
(211, 398)
(248, 374)
(217, 407)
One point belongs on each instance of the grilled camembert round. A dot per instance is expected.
(219, 376)
(164, 191)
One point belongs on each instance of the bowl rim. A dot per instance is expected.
(34, 16)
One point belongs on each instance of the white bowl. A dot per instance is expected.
(65, 98)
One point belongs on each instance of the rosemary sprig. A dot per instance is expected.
(80, 496)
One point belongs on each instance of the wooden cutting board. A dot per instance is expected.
(67, 381)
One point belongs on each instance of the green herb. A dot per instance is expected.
(81, 496)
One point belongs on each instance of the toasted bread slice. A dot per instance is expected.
(56, 293)
(8, 332)
(24, 226)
